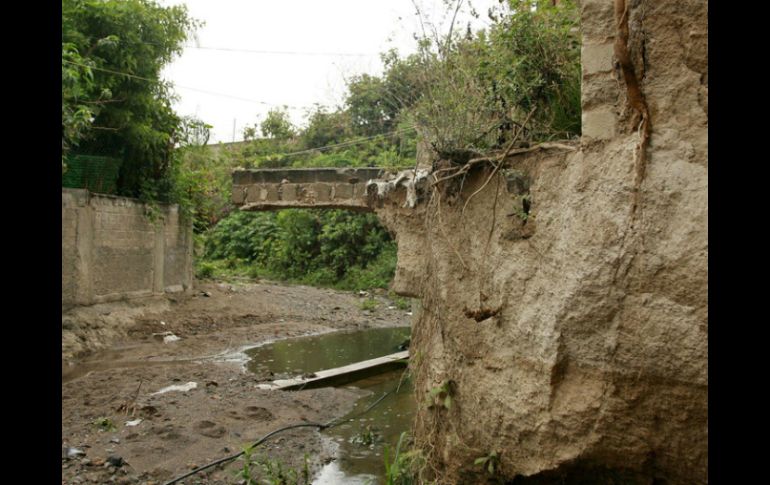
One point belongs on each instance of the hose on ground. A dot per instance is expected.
(320, 426)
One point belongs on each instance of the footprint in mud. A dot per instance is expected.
(167, 432)
(234, 414)
(207, 428)
(258, 413)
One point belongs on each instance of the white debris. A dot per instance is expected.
(75, 453)
(162, 322)
(133, 423)
(170, 338)
(178, 387)
(166, 337)
(406, 178)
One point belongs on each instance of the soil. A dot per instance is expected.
(114, 359)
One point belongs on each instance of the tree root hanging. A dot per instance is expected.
(635, 95)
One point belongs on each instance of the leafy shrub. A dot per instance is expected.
(325, 248)
(204, 270)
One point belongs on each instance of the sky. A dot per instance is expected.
(306, 49)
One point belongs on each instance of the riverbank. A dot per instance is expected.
(112, 410)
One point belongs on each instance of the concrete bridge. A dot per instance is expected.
(329, 188)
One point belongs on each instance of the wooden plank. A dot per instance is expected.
(341, 375)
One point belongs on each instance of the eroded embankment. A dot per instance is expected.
(564, 302)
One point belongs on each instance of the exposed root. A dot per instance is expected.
(636, 100)
(635, 96)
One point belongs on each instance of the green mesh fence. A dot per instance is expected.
(97, 174)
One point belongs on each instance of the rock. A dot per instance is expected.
(115, 460)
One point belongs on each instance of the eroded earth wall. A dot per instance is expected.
(564, 305)
(111, 250)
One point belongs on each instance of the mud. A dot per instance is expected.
(224, 411)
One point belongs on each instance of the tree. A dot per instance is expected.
(113, 100)
(277, 125)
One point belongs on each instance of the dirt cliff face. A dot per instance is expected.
(564, 303)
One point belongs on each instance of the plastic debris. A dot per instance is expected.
(178, 387)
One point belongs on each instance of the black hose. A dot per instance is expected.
(320, 427)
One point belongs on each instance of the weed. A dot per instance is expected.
(406, 465)
(367, 437)
(399, 301)
(441, 395)
(273, 472)
(205, 270)
(369, 304)
(489, 463)
(104, 424)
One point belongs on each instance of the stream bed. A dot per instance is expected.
(361, 438)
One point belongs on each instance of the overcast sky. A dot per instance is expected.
(308, 40)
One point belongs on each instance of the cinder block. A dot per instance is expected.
(343, 191)
(597, 58)
(599, 123)
(289, 192)
(239, 194)
(252, 193)
(271, 192)
(323, 192)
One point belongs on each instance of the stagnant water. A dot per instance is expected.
(361, 438)
(296, 356)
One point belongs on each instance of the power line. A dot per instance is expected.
(351, 142)
(156, 81)
(269, 52)
(288, 53)
(336, 145)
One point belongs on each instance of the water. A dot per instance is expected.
(360, 462)
(361, 438)
(296, 356)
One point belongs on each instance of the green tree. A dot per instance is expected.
(277, 125)
(115, 103)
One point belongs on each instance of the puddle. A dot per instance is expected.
(296, 356)
(359, 461)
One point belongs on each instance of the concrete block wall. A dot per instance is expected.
(112, 251)
(600, 85)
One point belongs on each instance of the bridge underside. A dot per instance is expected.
(308, 188)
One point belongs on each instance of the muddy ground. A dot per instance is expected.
(114, 359)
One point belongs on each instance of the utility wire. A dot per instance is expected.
(288, 53)
(259, 51)
(349, 143)
(301, 152)
(156, 81)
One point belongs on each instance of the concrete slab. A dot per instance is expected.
(341, 375)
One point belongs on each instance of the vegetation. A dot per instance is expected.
(271, 472)
(489, 463)
(104, 424)
(406, 465)
(464, 93)
(113, 101)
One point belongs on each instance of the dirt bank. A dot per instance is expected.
(225, 411)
